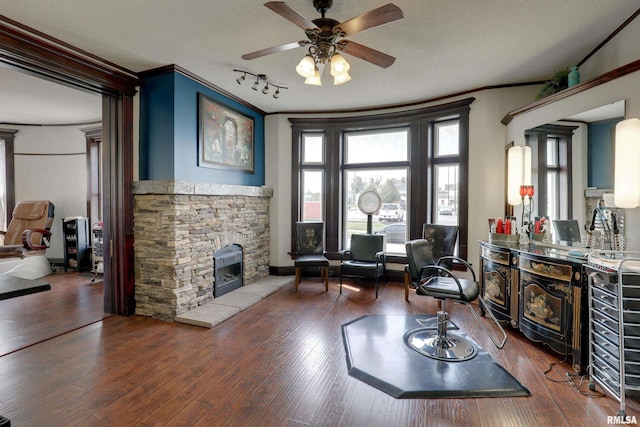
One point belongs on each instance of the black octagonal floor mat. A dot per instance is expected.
(378, 354)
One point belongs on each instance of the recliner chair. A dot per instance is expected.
(29, 231)
(26, 241)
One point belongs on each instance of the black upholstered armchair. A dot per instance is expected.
(365, 258)
(431, 278)
(310, 251)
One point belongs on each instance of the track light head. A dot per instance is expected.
(260, 78)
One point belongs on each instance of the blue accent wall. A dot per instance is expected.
(600, 156)
(169, 132)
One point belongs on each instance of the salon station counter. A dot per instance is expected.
(541, 290)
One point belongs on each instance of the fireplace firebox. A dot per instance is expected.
(227, 269)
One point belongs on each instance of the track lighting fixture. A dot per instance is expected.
(260, 78)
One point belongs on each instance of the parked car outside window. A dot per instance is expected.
(390, 212)
(445, 210)
(395, 233)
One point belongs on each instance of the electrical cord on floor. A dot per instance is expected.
(574, 377)
(576, 380)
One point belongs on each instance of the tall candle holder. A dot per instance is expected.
(527, 191)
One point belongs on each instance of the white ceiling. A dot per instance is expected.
(441, 47)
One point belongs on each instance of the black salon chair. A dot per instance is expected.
(443, 240)
(431, 278)
(310, 251)
(364, 259)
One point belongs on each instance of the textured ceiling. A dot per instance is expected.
(441, 47)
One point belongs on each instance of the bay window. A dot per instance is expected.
(416, 161)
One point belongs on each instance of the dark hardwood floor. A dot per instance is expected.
(73, 301)
(281, 362)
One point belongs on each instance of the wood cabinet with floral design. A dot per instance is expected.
(553, 305)
(499, 281)
(541, 292)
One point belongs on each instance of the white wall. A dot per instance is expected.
(50, 164)
(487, 139)
(625, 88)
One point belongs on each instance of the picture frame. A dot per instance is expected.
(225, 137)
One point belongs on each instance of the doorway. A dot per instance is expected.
(27, 50)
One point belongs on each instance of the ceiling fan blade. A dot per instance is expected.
(380, 16)
(270, 50)
(284, 10)
(363, 52)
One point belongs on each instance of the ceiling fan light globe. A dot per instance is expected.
(306, 67)
(340, 79)
(339, 65)
(314, 80)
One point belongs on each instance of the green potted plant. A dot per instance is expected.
(558, 82)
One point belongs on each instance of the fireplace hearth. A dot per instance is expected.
(227, 270)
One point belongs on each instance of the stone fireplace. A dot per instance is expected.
(179, 226)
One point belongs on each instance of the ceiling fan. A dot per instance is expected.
(325, 39)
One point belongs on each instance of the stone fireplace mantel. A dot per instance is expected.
(179, 225)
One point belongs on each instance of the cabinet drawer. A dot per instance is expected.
(606, 361)
(605, 309)
(606, 332)
(599, 280)
(632, 368)
(606, 381)
(601, 344)
(606, 320)
(632, 304)
(498, 256)
(602, 295)
(606, 372)
(631, 342)
(561, 272)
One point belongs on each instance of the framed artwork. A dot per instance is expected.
(225, 137)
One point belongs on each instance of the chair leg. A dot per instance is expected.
(326, 279)
(297, 281)
(377, 283)
(340, 280)
(407, 281)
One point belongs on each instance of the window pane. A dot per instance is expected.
(447, 197)
(552, 195)
(312, 195)
(447, 140)
(387, 146)
(312, 148)
(552, 152)
(391, 185)
(3, 187)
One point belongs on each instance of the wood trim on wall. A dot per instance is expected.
(30, 51)
(597, 81)
(8, 136)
